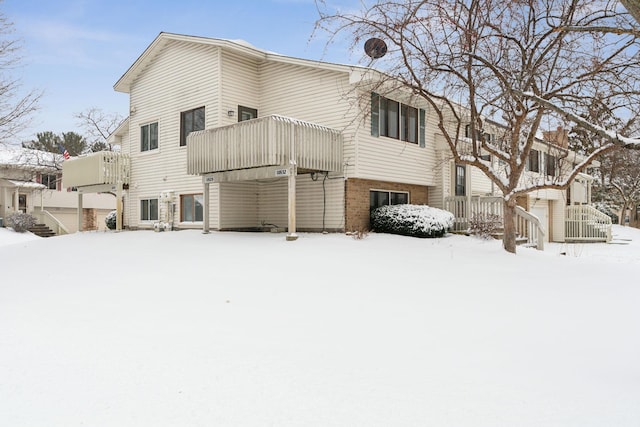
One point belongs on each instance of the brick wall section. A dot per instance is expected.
(89, 219)
(357, 199)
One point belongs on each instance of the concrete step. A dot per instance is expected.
(42, 230)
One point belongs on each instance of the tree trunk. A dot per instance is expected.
(509, 224)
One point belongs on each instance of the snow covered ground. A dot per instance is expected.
(240, 329)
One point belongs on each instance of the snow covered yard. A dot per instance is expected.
(240, 329)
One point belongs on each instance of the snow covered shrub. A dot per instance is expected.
(484, 225)
(605, 209)
(411, 220)
(110, 220)
(20, 222)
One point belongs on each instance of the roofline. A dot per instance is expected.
(124, 83)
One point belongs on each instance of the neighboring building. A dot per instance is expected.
(226, 136)
(31, 182)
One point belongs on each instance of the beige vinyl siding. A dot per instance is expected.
(480, 183)
(252, 204)
(312, 201)
(240, 86)
(388, 159)
(239, 205)
(557, 213)
(183, 76)
(442, 176)
(311, 94)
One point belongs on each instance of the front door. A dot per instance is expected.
(22, 203)
(542, 212)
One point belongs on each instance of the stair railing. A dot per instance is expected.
(45, 217)
(528, 225)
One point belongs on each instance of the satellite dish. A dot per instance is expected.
(375, 48)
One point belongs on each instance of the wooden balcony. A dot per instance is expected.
(266, 143)
(105, 168)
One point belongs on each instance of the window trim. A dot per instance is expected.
(149, 219)
(183, 114)
(148, 126)
(49, 182)
(389, 192)
(243, 109)
(463, 185)
(530, 163)
(382, 118)
(195, 220)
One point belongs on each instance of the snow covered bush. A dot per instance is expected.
(484, 225)
(606, 209)
(110, 220)
(20, 222)
(411, 220)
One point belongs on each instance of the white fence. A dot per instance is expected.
(585, 223)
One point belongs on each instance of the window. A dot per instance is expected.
(395, 120)
(389, 115)
(461, 180)
(534, 161)
(49, 181)
(409, 124)
(550, 163)
(190, 121)
(149, 209)
(149, 137)
(246, 113)
(379, 198)
(191, 207)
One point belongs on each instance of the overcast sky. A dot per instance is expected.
(75, 50)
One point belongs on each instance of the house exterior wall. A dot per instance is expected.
(357, 199)
(183, 76)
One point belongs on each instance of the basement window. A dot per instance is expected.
(379, 198)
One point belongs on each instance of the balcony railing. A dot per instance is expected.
(104, 167)
(267, 141)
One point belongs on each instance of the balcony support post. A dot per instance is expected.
(80, 211)
(205, 219)
(119, 206)
(293, 170)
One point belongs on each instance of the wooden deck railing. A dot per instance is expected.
(585, 223)
(528, 226)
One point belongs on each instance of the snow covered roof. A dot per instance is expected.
(22, 184)
(16, 156)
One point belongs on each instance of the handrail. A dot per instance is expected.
(48, 219)
(529, 226)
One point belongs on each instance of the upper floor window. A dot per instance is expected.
(149, 137)
(190, 121)
(246, 113)
(49, 181)
(533, 163)
(149, 209)
(395, 120)
(551, 163)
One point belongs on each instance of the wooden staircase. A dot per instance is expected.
(41, 230)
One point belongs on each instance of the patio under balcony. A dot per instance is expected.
(267, 147)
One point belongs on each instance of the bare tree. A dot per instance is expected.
(505, 66)
(16, 107)
(99, 125)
